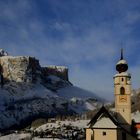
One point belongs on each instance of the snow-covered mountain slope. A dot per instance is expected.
(80, 99)
(29, 91)
(32, 101)
(73, 91)
(23, 102)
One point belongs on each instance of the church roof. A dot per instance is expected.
(102, 111)
(123, 74)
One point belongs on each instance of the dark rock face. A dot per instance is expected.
(55, 77)
(59, 71)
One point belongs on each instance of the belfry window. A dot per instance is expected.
(122, 91)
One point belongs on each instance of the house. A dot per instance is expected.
(117, 125)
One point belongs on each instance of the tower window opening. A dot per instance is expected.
(122, 91)
(122, 79)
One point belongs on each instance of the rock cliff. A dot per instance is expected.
(30, 91)
(19, 69)
(59, 71)
(28, 70)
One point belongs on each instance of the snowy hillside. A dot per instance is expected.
(19, 103)
(33, 101)
(80, 99)
(73, 91)
(29, 91)
(63, 130)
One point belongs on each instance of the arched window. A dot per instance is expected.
(122, 91)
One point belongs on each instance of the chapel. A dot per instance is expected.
(117, 124)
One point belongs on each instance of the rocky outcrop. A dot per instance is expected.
(3, 53)
(59, 71)
(19, 69)
(26, 69)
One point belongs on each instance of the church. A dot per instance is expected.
(118, 124)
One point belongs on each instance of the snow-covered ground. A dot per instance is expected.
(16, 136)
(47, 139)
(57, 124)
(79, 124)
(25, 136)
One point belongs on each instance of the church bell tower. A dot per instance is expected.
(122, 89)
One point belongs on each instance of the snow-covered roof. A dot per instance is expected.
(122, 62)
(104, 122)
(97, 120)
(14, 57)
(58, 67)
(122, 74)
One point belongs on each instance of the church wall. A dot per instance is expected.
(101, 134)
(89, 134)
(110, 134)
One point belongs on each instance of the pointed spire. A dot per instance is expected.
(121, 54)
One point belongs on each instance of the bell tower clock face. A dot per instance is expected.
(122, 98)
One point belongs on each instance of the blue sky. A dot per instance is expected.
(84, 35)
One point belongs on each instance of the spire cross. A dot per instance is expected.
(121, 54)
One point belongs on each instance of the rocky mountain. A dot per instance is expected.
(29, 91)
(135, 100)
